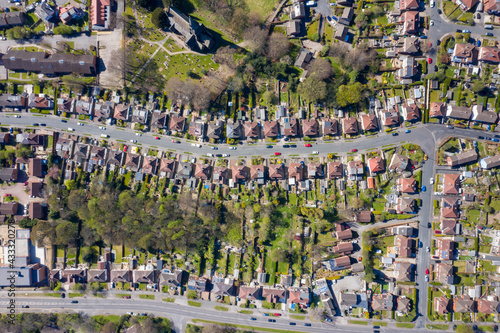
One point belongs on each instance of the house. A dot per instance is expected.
(464, 53)
(11, 19)
(202, 171)
(271, 129)
(382, 302)
(104, 110)
(355, 170)
(50, 64)
(450, 208)
(349, 301)
(149, 165)
(65, 105)
(184, 170)
(140, 115)
(9, 208)
(295, 173)
(64, 147)
(310, 127)
(315, 170)
(410, 112)
(363, 216)
(31, 139)
(240, 173)
(344, 234)
(276, 171)
(335, 170)
(70, 13)
(343, 262)
(122, 112)
(293, 28)
(35, 168)
(408, 5)
(451, 183)
(214, 130)
(147, 276)
(399, 163)
(290, 127)
(250, 293)
(177, 123)
(304, 58)
(466, 5)
(490, 162)
(390, 117)
(403, 230)
(376, 165)
(100, 14)
(167, 168)
(350, 125)
(12, 102)
(347, 16)
(158, 119)
(5, 138)
(410, 20)
(223, 287)
(115, 158)
(463, 305)
(450, 227)
(403, 271)
(197, 284)
(98, 275)
(45, 12)
(257, 173)
(84, 106)
(437, 109)
(171, 279)
(274, 295)
(442, 305)
(221, 175)
(341, 33)
(197, 38)
(35, 210)
(444, 273)
(74, 275)
(487, 305)
(98, 155)
(196, 129)
(343, 248)
(34, 189)
(233, 130)
(406, 205)
(404, 246)
(120, 276)
(299, 296)
(403, 305)
(410, 45)
(330, 127)
(298, 11)
(133, 162)
(407, 185)
(458, 112)
(489, 55)
(252, 129)
(82, 153)
(445, 248)
(464, 157)
(40, 102)
(407, 71)
(480, 115)
(369, 122)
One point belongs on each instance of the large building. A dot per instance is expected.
(196, 36)
(50, 64)
(100, 14)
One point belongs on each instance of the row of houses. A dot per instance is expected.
(476, 113)
(471, 54)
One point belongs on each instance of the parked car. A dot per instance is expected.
(64, 121)
(215, 148)
(466, 31)
(176, 141)
(286, 146)
(43, 124)
(225, 155)
(489, 34)
(426, 271)
(63, 295)
(138, 134)
(308, 145)
(480, 137)
(408, 131)
(210, 155)
(74, 302)
(25, 306)
(429, 225)
(125, 147)
(431, 22)
(315, 152)
(420, 244)
(449, 126)
(494, 140)
(424, 188)
(232, 148)
(133, 141)
(429, 60)
(271, 320)
(277, 314)
(253, 318)
(293, 324)
(428, 249)
(395, 134)
(17, 116)
(354, 150)
(277, 154)
(102, 128)
(427, 278)
(293, 146)
(269, 146)
(307, 324)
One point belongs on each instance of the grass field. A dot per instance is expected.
(72, 295)
(221, 308)
(443, 327)
(263, 7)
(245, 312)
(358, 322)
(169, 299)
(179, 65)
(405, 325)
(147, 296)
(193, 303)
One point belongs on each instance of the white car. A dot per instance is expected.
(432, 3)
(315, 152)
(102, 128)
(232, 148)
(426, 278)
(428, 249)
(133, 141)
(71, 129)
(138, 134)
(210, 155)
(80, 124)
(193, 160)
(198, 145)
(17, 116)
(225, 155)
(193, 144)
(432, 181)
(431, 22)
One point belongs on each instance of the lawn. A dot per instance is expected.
(405, 325)
(358, 322)
(245, 312)
(441, 327)
(312, 29)
(379, 323)
(193, 303)
(263, 7)
(179, 65)
(169, 299)
(221, 308)
(172, 46)
(73, 295)
(473, 215)
(147, 296)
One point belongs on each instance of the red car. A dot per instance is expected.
(277, 314)
(308, 145)
(277, 154)
(176, 141)
(426, 271)
(429, 60)
(6, 195)
(125, 148)
(157, 138)
(354, 150)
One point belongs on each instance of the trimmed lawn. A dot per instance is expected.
(193, 303)
(147, 296)
(263, 7)
(245, 312)
(358, 322)
(405, 325)
(443, 327)
(72, 295)
(298, 317)
(169, 299)
(221, 308)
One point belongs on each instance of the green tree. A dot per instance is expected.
(27, 223)
(278, 254)
(312, 89)
(159, 18)
(349, 94)
(478, 87)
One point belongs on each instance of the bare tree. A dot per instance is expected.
(201, 97)
(277, 46)
(321, 68)
(257, 37)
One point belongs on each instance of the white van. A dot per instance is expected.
(104, 136)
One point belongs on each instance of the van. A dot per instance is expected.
(488, 26)
(104, 136)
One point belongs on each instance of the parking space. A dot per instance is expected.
(7, 4)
